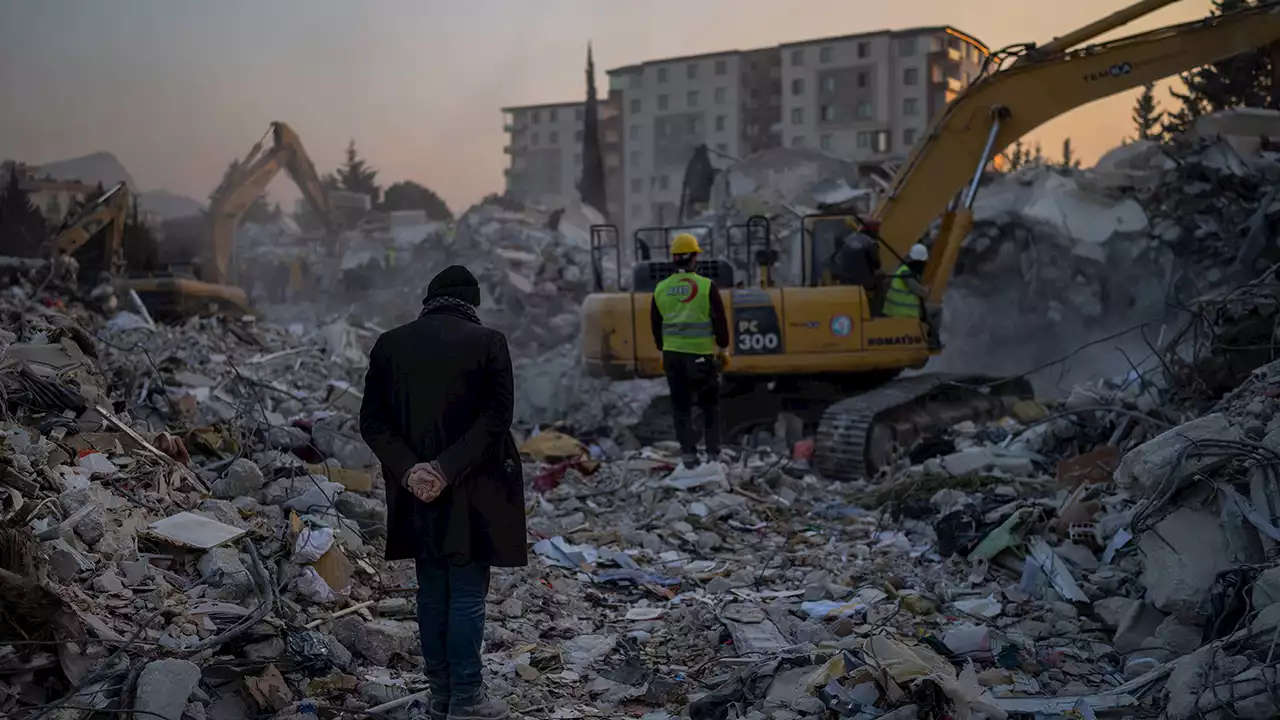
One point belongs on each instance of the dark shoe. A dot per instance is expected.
(484, 708)
(433, 710)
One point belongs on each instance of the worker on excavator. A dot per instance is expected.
(691, 329)
(907, 295)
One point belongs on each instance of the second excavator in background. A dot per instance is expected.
(95, 236)
(823, 349)
(211, 287)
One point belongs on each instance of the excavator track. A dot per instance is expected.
(856, 435)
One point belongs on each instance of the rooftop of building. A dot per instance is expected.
(799, 43)
(950, 30)
(544, 106)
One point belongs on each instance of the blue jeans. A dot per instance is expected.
(451, 625)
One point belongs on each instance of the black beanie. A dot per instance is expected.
(455, 281)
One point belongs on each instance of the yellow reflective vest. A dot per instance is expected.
(684, 299)
(900, 301)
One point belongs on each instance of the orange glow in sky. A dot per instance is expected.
(177, 89)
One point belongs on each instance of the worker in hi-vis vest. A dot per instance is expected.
(907, 295)
(692, 331)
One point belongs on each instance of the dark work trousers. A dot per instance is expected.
(694, 381)
(451, 626)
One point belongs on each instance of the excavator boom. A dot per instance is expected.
(237, 193)
(105, 215)
(1005, 104)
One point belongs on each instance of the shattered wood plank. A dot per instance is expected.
(186, 472)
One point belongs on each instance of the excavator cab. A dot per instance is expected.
(750, 245)
(648, 270)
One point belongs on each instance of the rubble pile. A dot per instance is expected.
(191, 527)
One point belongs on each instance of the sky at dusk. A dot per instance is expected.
(177, 88)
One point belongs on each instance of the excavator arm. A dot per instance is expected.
(107, 215)
(1007, 103)
(238, 191)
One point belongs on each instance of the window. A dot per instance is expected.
(533, 139)
(578, 114)
(935, 73)
(797, 116)
(577, 136)
(634, 158)
(553, 137)
(691, 99)
(935, 44)
(612, 160)
(722, 67)
(882, 141)
(911, 76)
(864, 50)
(864, 140)
(825, 141)
(797, 141)
(829, 83)
(828, 113)
(537, 117)
(722, 147)
(662, 102)
(909, 137)
(664, 127)
(552, 115)
(864, 109)
(635, 106)
(863, 79)
(722, 95)
(691, 71)
(797, 57)
(662, 74)
(824, 55)
(634, 81)
(637, 185)
(797, 86)
(663, 182)
(911, 107)
(695, 125)
(907, 47)
(721, 121)
(633, 132)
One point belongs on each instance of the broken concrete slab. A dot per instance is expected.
(196, 531)
(164, 687)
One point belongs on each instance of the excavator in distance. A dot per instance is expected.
(822, 349)
(212, 288)
(95, 236)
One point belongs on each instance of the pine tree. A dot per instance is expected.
(356, 175)
(591, 187)
(1069, 159)
(22, 227)
(1037, 155)
(1147, 116)
(1242, 80)
(1016, 155)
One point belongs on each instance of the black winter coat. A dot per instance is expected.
(440, 388)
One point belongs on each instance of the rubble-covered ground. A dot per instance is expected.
(191, 527)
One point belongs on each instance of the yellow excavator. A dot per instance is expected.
(95, 236)
(212, 288)
(823, 349)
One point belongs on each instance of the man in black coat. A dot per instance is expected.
(437, 410)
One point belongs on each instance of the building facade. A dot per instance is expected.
(870, 97)
(863, 98)
(545, 145)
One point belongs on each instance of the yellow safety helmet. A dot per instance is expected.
(684, 243)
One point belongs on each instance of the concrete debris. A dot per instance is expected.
(192, 503)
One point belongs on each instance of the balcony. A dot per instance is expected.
(954, 54)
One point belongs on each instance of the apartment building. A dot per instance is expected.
(545, 145)
(864, 98)
(869, 97)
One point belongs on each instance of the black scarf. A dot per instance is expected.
(450, 306)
